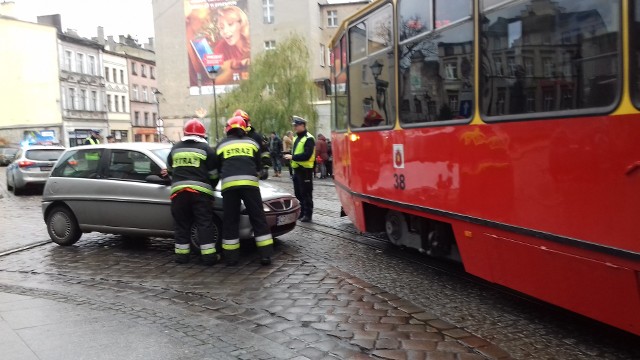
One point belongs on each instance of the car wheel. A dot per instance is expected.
(217, 235)
(9, 187)
(62, 226)
(17, 191)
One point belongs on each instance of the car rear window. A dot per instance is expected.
(44, 154)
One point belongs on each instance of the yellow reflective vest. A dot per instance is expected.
(299, 149)
(93, 156)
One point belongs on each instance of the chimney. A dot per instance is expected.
(8, 8)
(123, 40)
(72, 32)
(53, 20)
(150, 45)
(100, 38)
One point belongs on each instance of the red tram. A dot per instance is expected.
(501, 133)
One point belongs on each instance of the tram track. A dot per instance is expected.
(531, 313)
(379, 242)
(25, 248)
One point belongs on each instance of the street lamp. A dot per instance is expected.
(159, 121)
(427, 99)
(381, 87)
(213, 72)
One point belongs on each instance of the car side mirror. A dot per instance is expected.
(155, 179)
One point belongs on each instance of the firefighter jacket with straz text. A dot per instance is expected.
(238, 162)
(193, 166)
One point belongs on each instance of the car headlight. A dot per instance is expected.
(266, 208)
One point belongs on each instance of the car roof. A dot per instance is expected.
(128, 146)
(43, 147)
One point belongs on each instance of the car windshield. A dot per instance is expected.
(44, 154)
(162, 154)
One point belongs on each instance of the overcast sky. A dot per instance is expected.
(117, 17)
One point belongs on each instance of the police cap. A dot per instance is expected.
(297, 120)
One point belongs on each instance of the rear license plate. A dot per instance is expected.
(286, 219)
(46, 168)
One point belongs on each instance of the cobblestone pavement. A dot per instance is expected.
(298, 308)
(524, 329)
(314, 302)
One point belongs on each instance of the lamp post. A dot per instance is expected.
(381, 87)
(213, 72)
(159, 121)
(427, 99)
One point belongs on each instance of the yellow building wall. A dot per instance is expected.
(29, 75)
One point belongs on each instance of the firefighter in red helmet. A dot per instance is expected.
(265, 157)
(372, 118)
(238, 165)
(193, 166)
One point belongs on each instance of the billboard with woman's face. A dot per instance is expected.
(217, 41)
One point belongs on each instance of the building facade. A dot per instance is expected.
(116, 77)
(191, 36)
(133, 74)
(144, 104)
(30, 90)
(82, 87)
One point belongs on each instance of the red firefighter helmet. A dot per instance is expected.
(236, 122)
(243, 114)
(372, 118)
(195, 127)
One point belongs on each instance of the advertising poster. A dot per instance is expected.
(217, 41)
(39, 137)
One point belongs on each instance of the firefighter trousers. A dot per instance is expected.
(252, 199)
(303, 189)
(193, 208)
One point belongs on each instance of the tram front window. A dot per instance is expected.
(372, 71)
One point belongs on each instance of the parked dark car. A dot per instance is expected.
(7, 154)
(117, 189)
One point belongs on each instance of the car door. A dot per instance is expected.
(130, 201)
(76, 181)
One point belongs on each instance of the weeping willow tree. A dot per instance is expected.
(279, 86)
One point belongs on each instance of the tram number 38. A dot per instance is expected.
(399, 182)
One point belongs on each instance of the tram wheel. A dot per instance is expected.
(396, 227)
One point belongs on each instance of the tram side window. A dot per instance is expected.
(372, 74)
(415, 18)
(549, 56)
(436, 72)
(634, 47)
(340, 98)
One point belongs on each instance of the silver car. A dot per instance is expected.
(31, 166)
(117, 189)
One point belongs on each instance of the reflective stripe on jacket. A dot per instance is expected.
(299, 149)
(193, 166)
(239, 159)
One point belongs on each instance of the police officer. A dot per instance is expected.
(302, 159)
(239, 165)
(94, 137)
(92, 157)
(265, 157)
(193, 164)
